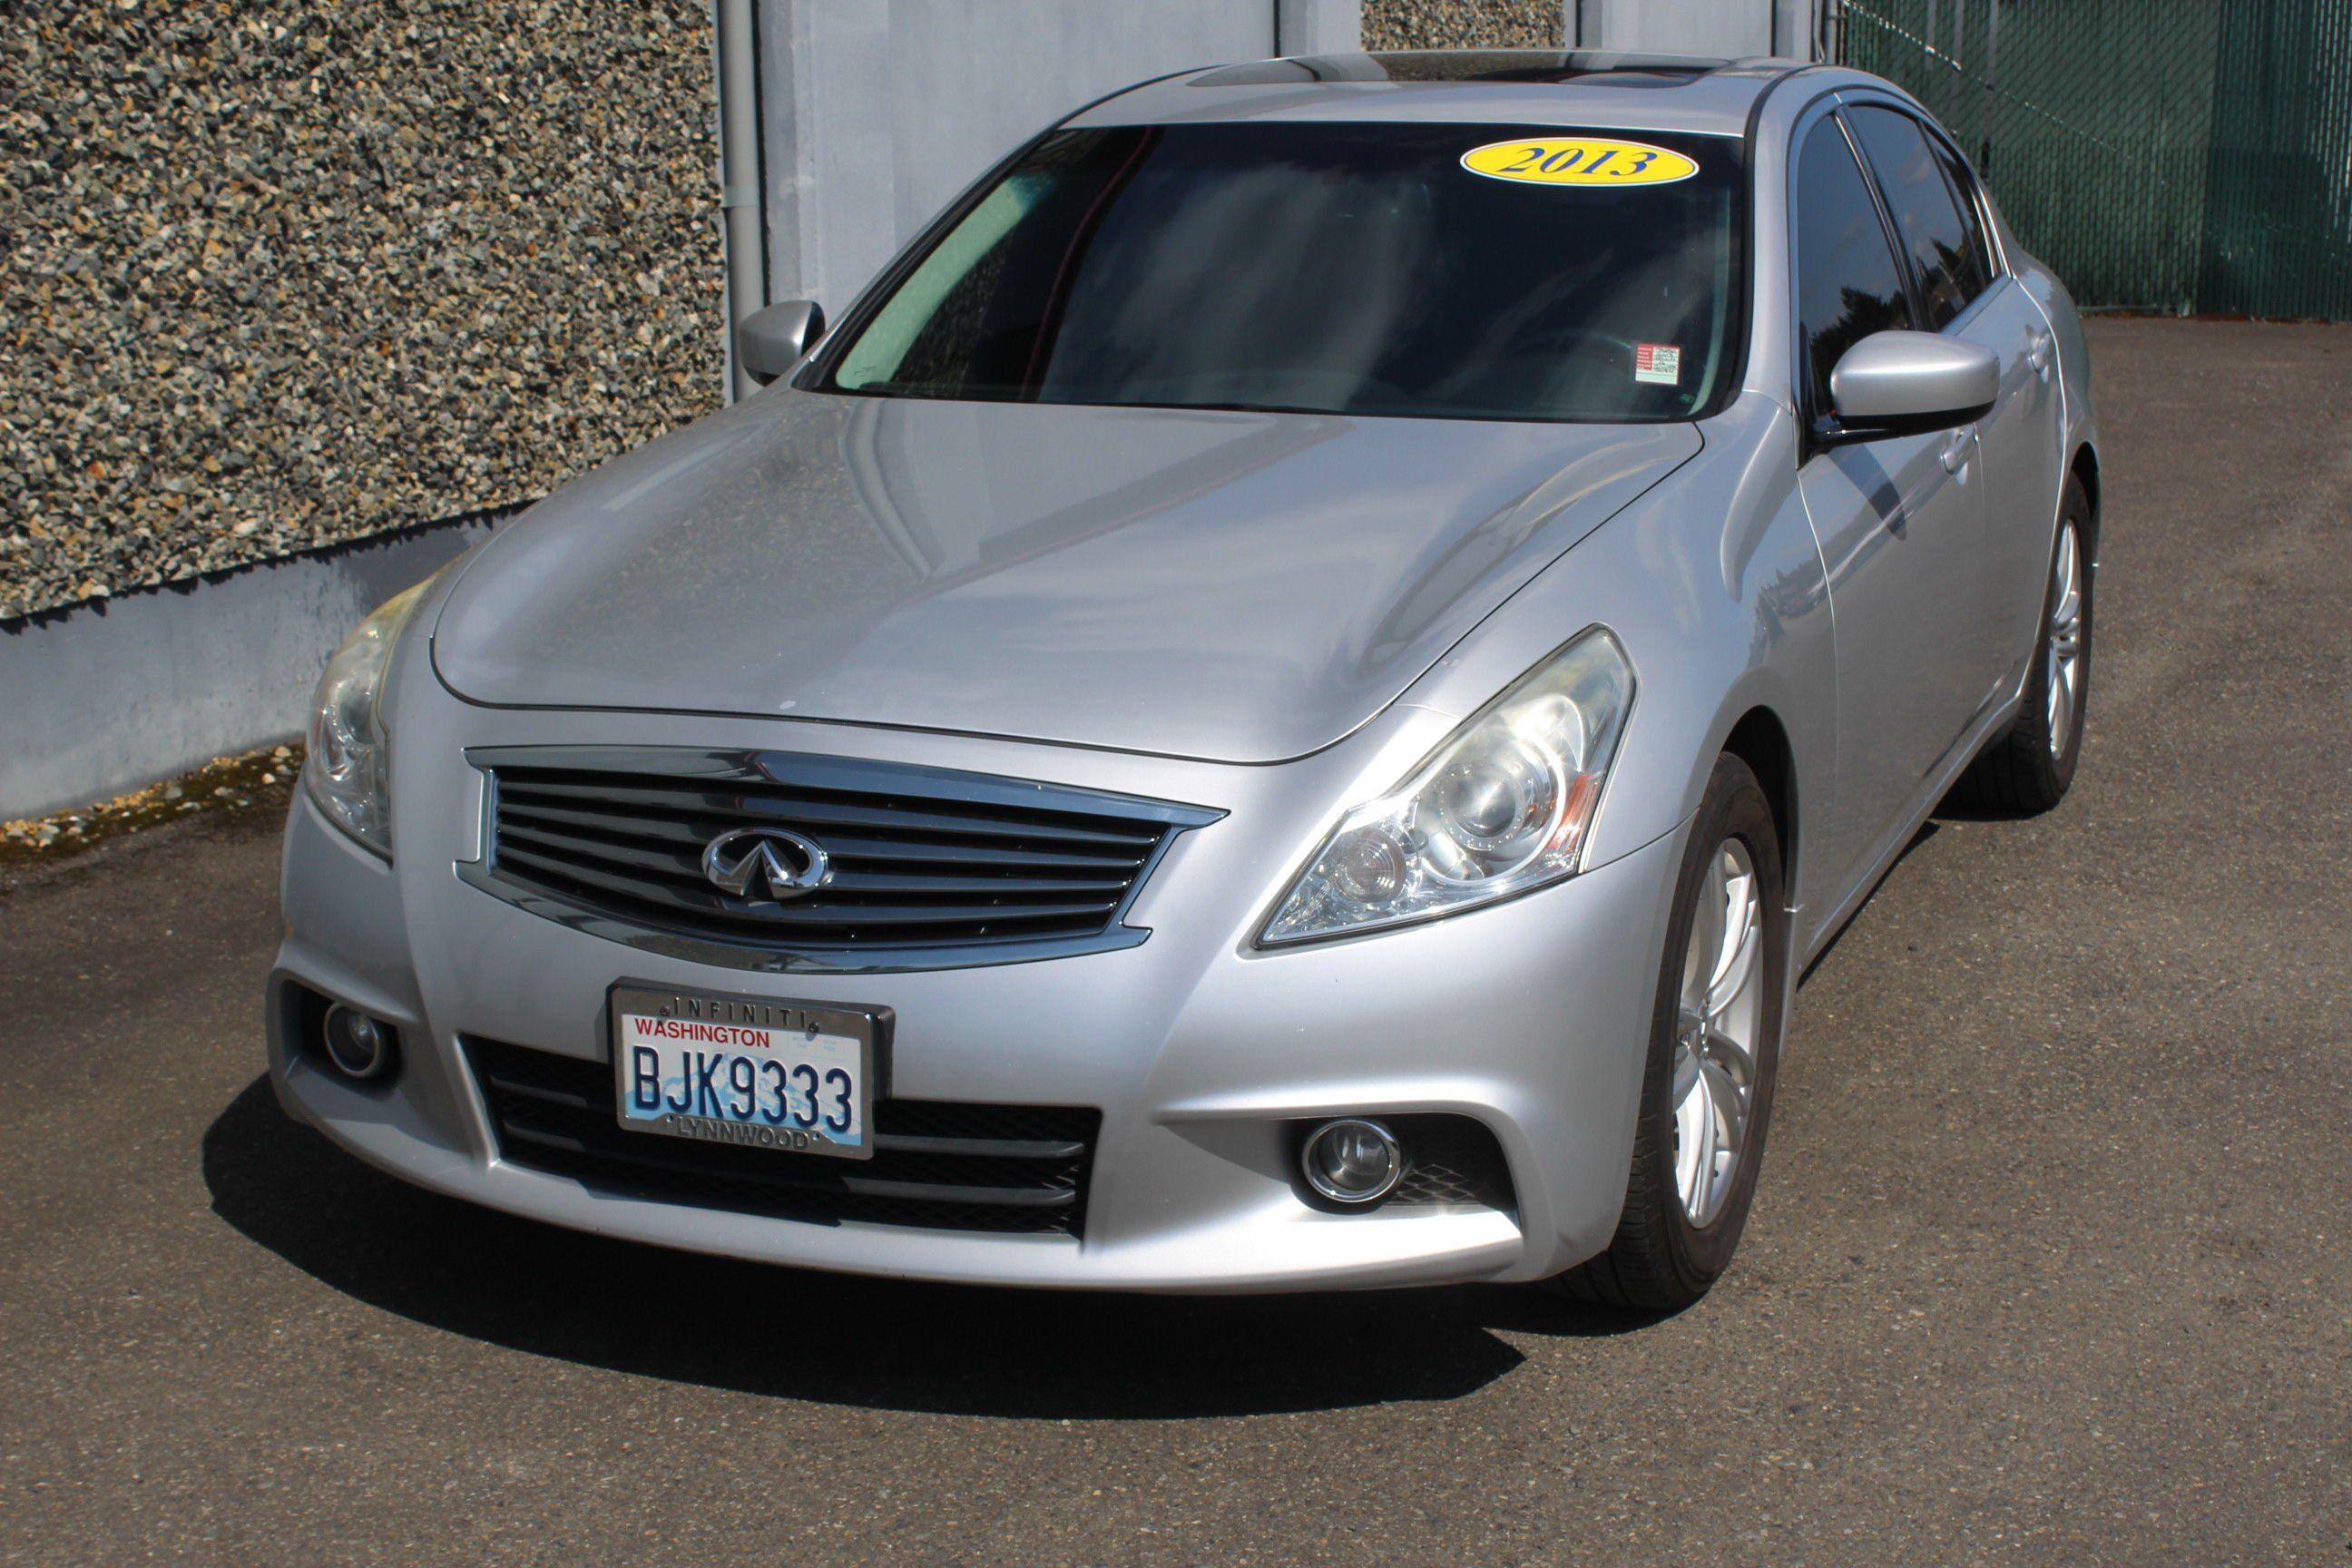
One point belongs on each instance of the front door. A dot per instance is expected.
(1933, 199)
(1900, 522)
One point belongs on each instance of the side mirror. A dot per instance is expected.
(1906, 384)
(771, 341)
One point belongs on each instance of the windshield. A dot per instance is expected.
(1331, 268)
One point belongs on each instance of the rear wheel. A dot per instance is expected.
(2028, 770)
(1715, 1046)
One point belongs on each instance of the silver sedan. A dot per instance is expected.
(1280, 705)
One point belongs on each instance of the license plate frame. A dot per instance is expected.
(829, 1035)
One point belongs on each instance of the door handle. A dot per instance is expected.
(1955, 450)
(2037, 353)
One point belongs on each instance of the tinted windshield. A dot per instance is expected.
(1327, 269)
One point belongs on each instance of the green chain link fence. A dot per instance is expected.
(2184, 155)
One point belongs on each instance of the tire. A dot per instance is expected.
(2023, 772)
(1666, 1252)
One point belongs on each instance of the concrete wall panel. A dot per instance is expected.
(99, 699)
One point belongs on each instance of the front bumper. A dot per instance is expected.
(1201, 1053)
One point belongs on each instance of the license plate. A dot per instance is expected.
(761, 1074)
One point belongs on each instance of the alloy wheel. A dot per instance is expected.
(2064, 675)
(1715, 1033)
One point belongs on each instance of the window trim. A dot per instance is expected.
(1810, 443)
(1973, 199)
(1974, 196)
(820, 366)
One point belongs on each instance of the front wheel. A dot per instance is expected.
(1714, 1047)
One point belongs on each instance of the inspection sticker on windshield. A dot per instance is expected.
(1660, 364)
(1578, 160)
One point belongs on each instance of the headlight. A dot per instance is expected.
(348, 768)
(1501, 808)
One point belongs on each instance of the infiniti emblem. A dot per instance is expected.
(789, 864)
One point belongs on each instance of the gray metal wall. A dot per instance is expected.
(1732, 28)
(875, 112)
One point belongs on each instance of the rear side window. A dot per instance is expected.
(1849, 284)
(1946, 241)
(1964, 186)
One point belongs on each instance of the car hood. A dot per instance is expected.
(1231, 587)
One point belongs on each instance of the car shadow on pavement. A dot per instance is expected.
(884, 1344)
(1926, 833)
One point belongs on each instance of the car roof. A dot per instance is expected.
(1499, 87)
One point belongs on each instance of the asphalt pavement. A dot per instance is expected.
(2049, 1265)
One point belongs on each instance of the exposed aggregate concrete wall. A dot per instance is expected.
(276, 274)
(1463, 24)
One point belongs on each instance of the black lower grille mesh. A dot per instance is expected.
(1456, 1161)
(936, 1165)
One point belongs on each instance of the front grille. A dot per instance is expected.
(936, 1165)
(921, 858)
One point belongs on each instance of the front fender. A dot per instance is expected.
(1715, 585)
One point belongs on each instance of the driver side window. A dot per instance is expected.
(1849, 284)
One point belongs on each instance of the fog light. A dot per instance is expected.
(357, 1045)
(1352, 1161)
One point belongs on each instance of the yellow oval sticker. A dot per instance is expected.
(1578, 160)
